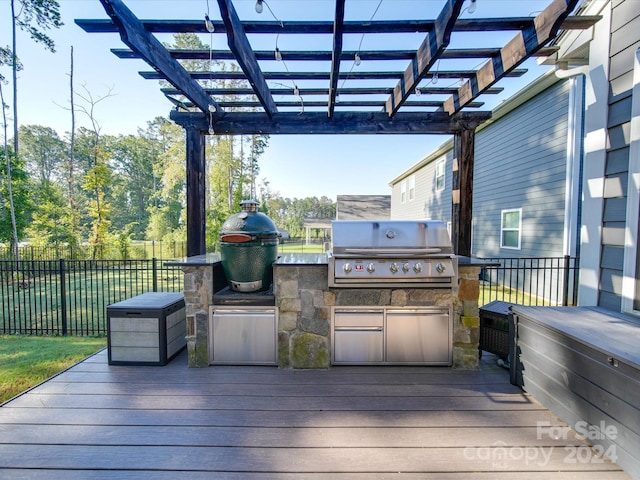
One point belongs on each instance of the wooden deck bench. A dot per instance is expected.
(583, 364)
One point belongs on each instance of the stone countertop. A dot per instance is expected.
(476, 262)
(298, 259)
(196, 261)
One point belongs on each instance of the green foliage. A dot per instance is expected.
(35, 16)
(42, 150)
(52, 220)
(21, 189)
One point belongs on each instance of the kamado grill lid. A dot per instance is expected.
(248, 225)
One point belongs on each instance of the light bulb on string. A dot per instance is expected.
(296, 91)
(357, 60)
(418, 92)
(434, 78)
(472, 8)
(278, 55)
(259, 6)
(208, 24)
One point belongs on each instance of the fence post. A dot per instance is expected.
(565, 286)
(155, 274)
(63, 296)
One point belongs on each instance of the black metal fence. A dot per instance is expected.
(70, 297)
(545, 281)
(135, 250)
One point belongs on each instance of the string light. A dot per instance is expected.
(296, 90)
(259, 6)
(472, 8)
(208, 24)
(418, 92)
(278, 55)
(357, 60)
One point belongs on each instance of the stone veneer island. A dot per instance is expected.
(304, 301)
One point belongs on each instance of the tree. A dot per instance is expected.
(43, 151)
(45, 14)
(16, 207)
(167, 208)
(133, 159)
(52, 221)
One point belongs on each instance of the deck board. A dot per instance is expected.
(258, 423)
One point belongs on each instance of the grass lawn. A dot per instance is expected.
(26, 361)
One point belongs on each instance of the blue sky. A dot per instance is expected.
(294, 166)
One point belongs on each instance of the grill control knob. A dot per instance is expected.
(417, 267)
(371, 268)
(394, 267)
(440, 267)
(347, 268)
(405, 267)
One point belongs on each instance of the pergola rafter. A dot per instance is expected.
(377, 100)
(544, 28)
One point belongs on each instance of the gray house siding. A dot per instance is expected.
(625, 40)
(521, 163)
(428, 202)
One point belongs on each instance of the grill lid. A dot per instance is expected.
(390, 237)
(248, 225)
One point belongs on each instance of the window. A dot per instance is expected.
(412, 187)
(403, 192)
(440, 169)
(510, 228)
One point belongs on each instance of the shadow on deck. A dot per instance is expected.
(128, 422)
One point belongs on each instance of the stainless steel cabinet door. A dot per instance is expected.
(358, 337)
(418, 337)
(244, 337)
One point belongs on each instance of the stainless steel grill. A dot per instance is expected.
(375, 254)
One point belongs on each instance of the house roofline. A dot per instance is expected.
(536, 87)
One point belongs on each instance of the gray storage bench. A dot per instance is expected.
(583, 364)
(149, 329)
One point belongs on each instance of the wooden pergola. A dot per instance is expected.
(414, 105)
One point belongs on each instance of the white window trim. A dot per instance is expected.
(441, 161)
(403, 192)
(502, 229)
(412, 188)
(633, 198)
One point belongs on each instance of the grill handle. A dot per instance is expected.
(392, 251)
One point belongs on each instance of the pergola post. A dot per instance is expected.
(462, 191)
(196, 192)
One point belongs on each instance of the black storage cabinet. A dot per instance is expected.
(149, 329)
(494, 328)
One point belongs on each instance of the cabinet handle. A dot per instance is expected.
(358, 329)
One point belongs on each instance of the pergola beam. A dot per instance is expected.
(544, 28)
(322, 104)
(342, 123)
(429, 51)
(326, 56)
(326, 27)
(231, 75)
(241, 48)
(338, 26)
(134, 35)
(325, 91)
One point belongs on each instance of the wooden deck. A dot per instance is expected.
(97, 421)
